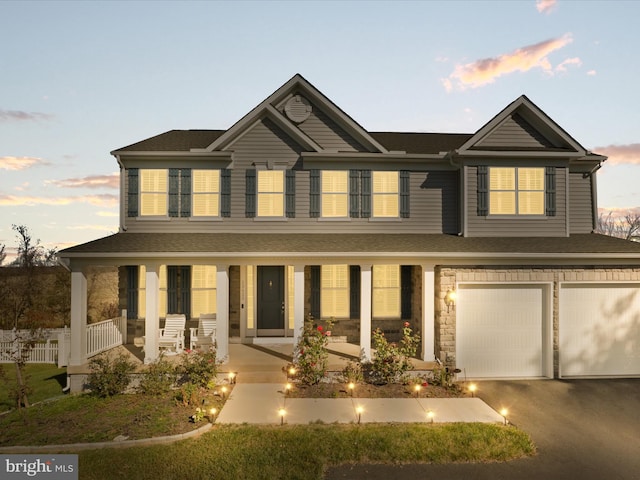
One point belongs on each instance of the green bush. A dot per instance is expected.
(190, 394)
(391, 361)
(110, 375)
(199, 368)
(311, 357)
(352, 373)
(158, 378)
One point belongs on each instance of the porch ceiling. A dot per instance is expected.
(590, 247)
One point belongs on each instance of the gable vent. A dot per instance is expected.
(297, 109)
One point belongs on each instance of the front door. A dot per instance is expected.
(270, 301)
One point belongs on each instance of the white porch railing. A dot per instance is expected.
(106, 335)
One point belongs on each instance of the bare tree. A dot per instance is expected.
(624, 226)
(3, 253)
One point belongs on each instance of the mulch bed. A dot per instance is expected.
(367, 390)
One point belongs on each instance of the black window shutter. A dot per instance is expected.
(185, 290)
(132, 291)
(315, 291)
(225, 192)
(172, 289)
(133, 192)
(250, 194)
(483, 191)
(354, 291)
(354, 194)
(185, 192)
(174, 192)
(550, 191)
(290, 194)
(365, 197)
(314, 193)
(404, 194)
(406, 291)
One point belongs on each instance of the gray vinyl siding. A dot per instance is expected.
(326, 133)
(515, 132)
(580, 204)
(513, 225)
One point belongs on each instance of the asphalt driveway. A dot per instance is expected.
(583, 429)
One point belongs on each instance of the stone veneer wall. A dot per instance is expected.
(447, 277)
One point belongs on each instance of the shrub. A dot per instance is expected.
(190, 394)
(443, 376)
(391, 361)
(110, 375)
(199, 367)
(158, 378)
(352, 373)
(310, 355)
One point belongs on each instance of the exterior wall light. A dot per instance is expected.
(450, 299)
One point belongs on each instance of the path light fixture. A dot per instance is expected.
(282, 412)
(287, 388)
(417, 389)
(504, 413)
(359, 411)
(430, 416)
(472, 389)
(292, 371)
(450, 299)
(212, 414)
(351, 387)
(223, 390)
(232, 378)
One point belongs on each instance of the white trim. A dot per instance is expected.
(366, 272)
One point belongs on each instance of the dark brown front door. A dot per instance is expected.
(270, 301)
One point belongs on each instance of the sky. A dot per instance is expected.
(80, 79)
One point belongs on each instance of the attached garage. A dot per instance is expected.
(599, 329)
(503, 330)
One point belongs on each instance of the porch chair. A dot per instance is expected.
(205, 334)
(172, 335)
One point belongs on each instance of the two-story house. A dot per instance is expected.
(483, 241)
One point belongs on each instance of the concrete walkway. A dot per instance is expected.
(261, 403)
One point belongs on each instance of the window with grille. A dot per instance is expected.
(153, 192)
(516, 191)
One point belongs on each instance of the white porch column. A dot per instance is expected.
(222, 313)
(365, 311)
(78, 354)
(152, 315)
(428, 312)
(298, 302)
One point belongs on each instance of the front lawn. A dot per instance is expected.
(46, 380)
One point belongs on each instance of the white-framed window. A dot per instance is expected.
(153, 192)
(386, 291)
(203, 290)
(516, 191)
(205, 193)
(335, 193)
(270, 193)
(385, 194)
(334, 294)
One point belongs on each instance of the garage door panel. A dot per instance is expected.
(499, 330)
(600, 330)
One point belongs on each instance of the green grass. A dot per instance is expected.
(46, 380)
(303, 452)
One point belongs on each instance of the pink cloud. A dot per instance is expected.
(592, 73)
(562, 67)
(20, 163)
(485, 71)
(105, 200)
(91, 181)
(20, 116)
(546, 6)
(621, 154)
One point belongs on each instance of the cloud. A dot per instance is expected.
(20, 163)
(562, 67)
(20, 116)
(546, 6)
(592, 73)
(104, 200)
(485, 71)
(621, 154)
(107, 214)
(101, 228)
(91, 181)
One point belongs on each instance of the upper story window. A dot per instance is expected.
(270, 193)
(385, 194)
(206, 193)
(335, 193)
(334, 291)
(516, 191)
(153, 192)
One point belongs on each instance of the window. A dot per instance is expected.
(335, 193)
(270, 193)
(203, 290)
(206, 193)
(153, 192)
(386, 291)
(515, 190)
(385, 194)
(334, 291)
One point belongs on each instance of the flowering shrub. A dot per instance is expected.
(200, 367)
(391, 361)
(310, 354)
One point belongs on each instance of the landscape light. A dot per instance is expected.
(359, 411)
(212, 414)
(351, 387)
(282, 412)
(430, 415)
(417, 389)
(504, 413)
(472, 389)
(224, 392)
(232, 377)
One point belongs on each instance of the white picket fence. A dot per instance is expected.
(54, 345)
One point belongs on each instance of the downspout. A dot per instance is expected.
(594, 194)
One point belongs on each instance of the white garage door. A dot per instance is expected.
(599, 329)
(499, 330)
